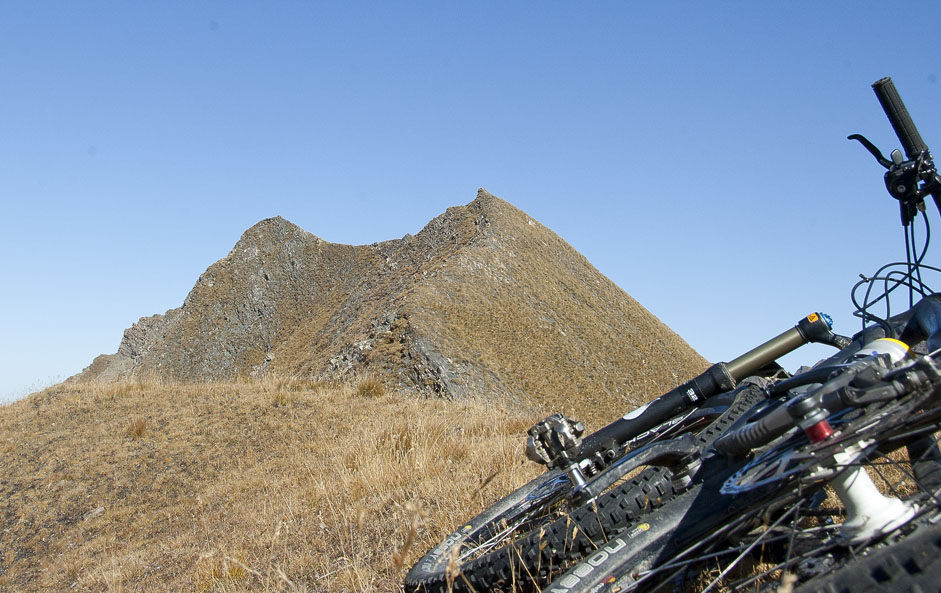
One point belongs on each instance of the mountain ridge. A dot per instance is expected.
(484, 301)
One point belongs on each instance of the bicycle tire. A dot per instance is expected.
(910, 564)
(543, 545)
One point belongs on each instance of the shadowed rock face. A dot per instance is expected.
(483, 302)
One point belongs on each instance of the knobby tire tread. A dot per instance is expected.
(912, 564)
(565, 538)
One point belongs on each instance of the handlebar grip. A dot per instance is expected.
(899, 118)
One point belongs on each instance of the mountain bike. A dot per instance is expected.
(610, 481)
(832, 481)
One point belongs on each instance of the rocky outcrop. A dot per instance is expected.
(483, 302)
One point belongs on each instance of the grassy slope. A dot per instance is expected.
(261, 486)
(523, 304)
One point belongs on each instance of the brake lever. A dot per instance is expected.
(872, 149)
(901, 179)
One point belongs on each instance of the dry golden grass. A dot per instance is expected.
(276, 485)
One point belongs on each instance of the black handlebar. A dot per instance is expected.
(899, 118)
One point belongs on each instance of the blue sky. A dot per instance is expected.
(694, 152)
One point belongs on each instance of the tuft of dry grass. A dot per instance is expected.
(136, 428)
(370, 387)
(220, 491)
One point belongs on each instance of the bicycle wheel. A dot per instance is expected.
(522, 541)
(816, 553)
(895, 444)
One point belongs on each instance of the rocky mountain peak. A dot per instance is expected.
(483, 302)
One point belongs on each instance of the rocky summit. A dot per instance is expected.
(484, 302)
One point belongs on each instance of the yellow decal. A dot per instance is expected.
(812, 317)
(638, 529)
(893, 340)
